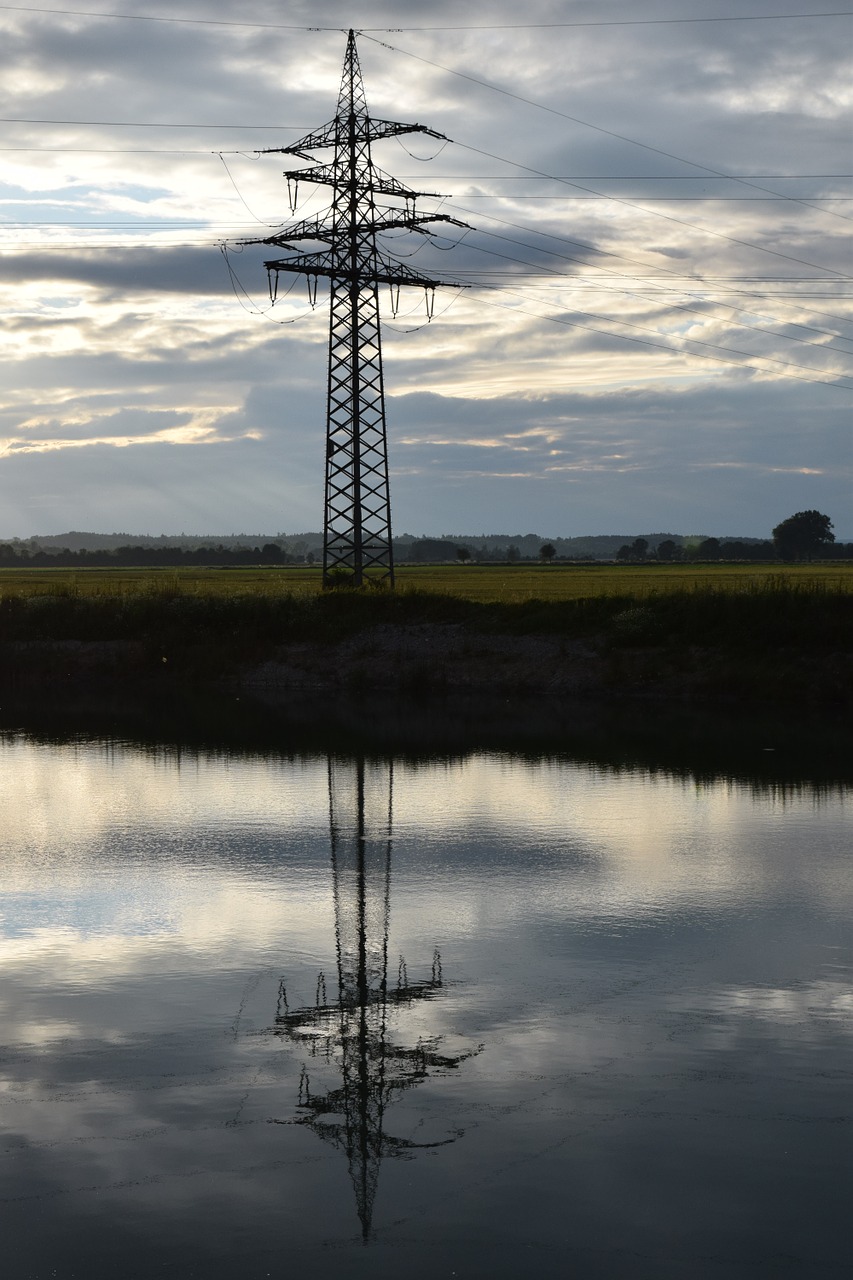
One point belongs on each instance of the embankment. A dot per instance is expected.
(773, 645)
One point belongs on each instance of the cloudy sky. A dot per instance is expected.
(658, 332)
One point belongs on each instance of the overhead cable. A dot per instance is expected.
(585, 123)
(519, 26)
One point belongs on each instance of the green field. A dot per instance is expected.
(576, 582)
(485, 583)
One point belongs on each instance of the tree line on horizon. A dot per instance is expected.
(803, 536)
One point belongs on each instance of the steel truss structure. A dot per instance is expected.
(357, 522)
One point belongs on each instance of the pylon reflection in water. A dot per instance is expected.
(352, 1032)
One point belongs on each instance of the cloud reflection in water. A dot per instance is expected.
(664, 1019)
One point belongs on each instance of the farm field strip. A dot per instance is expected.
(574, 582)
(487, 583)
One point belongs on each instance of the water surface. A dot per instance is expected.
(476, 1015)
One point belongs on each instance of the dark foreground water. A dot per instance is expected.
(474, 1015)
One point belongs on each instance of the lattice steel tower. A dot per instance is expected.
(357, 523)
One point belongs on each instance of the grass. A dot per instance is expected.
(805, 607)
(483, 583)
(572, 582)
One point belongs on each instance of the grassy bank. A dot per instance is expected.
(705, 632)
(756, 616)
(808, 611)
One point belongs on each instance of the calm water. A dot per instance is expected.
(488, 1015)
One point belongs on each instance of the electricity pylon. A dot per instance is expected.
(357, 522)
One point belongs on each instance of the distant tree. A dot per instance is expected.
(463, 554)
(433, 550)
(737, 550)
(638, 550)
(708, 549)
(513, 554)
(803, 535)
(667, 550)
(547, 552)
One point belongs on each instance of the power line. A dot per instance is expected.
(188, 223)
(576, 120)
(579, 284)
(668, 217)
(611, 320)
(437, 177)
(93, 247)
(66, 246)
(520, 26)
(646, 342)
(775, 196)
(705, 314)
(488, 195)
(143, 124)
(546, 272)
(84, 246)
(682, 307)
(666, 271)
(620, 177)
(622, 257)
(165, 224)
(616, 22)
(119, 151)
(184, 22)
(785, 364)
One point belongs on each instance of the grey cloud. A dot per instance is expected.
(117, 423)
(742, 97)
(123, 271)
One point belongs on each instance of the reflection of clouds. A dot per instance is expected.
(108, 844)
(93, 790)
(45, 1031)
(808, 1016)
(584, 918)
(627, 842)
(201, 917)
(792, 1005)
